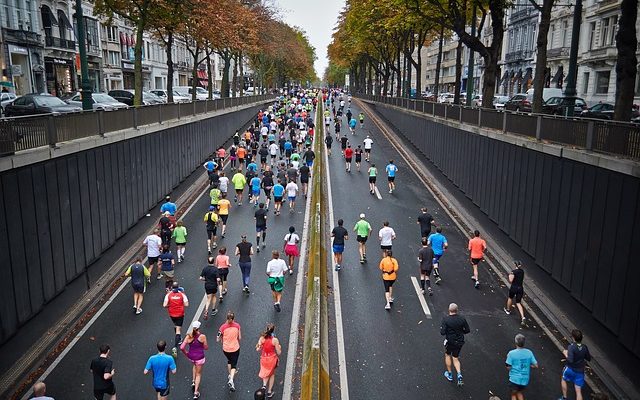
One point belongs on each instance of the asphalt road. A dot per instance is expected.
(133, 337)
(398, 354)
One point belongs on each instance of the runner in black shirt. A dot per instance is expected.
(343, 143)
(102, 369)
(339, 235)
(264, 152)
(336, 126)
(516, 291)
(304, 178)
(425, 220)
(267, 185)
(358, 153)
(328, 140)
(211, 280)
(261, 226)
(244, 249)
(425, 257)
(453, 328)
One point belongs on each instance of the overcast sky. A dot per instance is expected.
(317, 18)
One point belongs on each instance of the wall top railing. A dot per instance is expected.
(23, 133)
(608, 137)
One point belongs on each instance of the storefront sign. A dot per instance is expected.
(59, 61)
(17, 50)
(127, 65)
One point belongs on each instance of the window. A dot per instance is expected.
(608, 31)
(565, 33)
(110, 33)
(552, 36)
(602, 82)
(604, 32)
(114, 58)
(592, 36)
(585, 82)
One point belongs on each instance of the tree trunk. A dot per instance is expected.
(194, 73)
(137, 64)
(626, 66)
(492, 55)
(438, 63)
(369, 82)
(226, 57)
(398, 75)
(541, 58)
(241, 73)
(419, 73)
(234, 86)
(408, 76)
(169, 44)
(209, 76)
(458, 84)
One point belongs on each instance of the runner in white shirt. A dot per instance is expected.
(302, 125)
(276, 268)
(223, 183)
(264, 131)
(273, 125)
(154, 248)
(292, 191)
(273, 152)
(386, 236)
(368, 142)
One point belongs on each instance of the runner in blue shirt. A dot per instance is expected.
(352, 125)
(168, 206)
(253, 167)
(255, 190)
(391, 175)
(278, 193)
(160, 364)
(288, 146)
(438, 244)
(210, 165)
(519, 363)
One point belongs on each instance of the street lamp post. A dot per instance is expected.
(87, 103)
(571, 91)
(470, 85)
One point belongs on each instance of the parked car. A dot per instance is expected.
(6, 98)
(126, 96)
(34, 103)
(177, 97)
(446, 98)
(560, 105)
(476, 101)
(606, 111)
(201, 93)
(101, 101)
(519, 102)
(499, 102)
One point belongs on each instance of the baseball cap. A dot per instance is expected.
(211, 208)
(362, 215)
(196, 325)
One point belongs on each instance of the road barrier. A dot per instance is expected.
(23, 133)
(315, 355)
(603, 136)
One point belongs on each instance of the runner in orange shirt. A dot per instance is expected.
(230, 336)
(389, 268)
(242, 153)
(477, 247)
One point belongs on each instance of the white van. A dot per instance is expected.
(201, 93)
(547, 93)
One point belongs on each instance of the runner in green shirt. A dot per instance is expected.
(180, 236)
(239, 181)
(215, 195)
(362, 230)
(373, 174)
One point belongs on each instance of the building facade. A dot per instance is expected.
(518, 62)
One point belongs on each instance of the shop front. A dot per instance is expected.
(20, 69)
(128, 77)
(60, 76)
(93, 73)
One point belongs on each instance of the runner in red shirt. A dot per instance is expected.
(175, 301)
(477, 247)
(348, 154)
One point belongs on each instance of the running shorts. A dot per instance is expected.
(348, 160)
(372, 179)
(163, 392)
(261, 228)
(255, 192)
(517, 388)
(387, 285)
(367, 151)
(211, 233)
(516, 293)
(338, 248)
(391, 178)
(211, 289)
(222, 274)
(436, 258)
(358, 158)
(569, 375)
(277, 199)
(99, 393)
(178, 321)
(362, 239)
(152, 261)
(224, 218)
(232, 358)
(291, 198)
(476, 261)
(385, 248)
(452, 349)
(426, 269)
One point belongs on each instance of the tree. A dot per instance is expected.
(139, 13)
(626, 66)
(541, 52)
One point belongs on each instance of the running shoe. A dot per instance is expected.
(258, 249)
(214, 312)
(196, 395)
(139, 311)
(135, 307)
(278, 307)
(523, 322)
(174, 352)
(290, 272)
(209, 251)
(430, 292)
(438, 280)
(391, 300)
(224, 292)
(506, 311)
(159, 276)
(220, 299)
(448, 375)
(362, 261)
(193, 386)
(460, 383)
(270, 395)
(264, 245)
(473, 278)
(337, 267)
(477, 285)
(232, 387)
(422, 291)
(387, 306)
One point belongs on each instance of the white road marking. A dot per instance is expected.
(287, 391)
(378, 195)
(342, 358)
(199, 311)
(423, 302)
(97, 315)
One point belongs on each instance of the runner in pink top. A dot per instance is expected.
(269, 347)
(222, 262)
(229, 335)
(197, 343)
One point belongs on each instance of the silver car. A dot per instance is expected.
(101, 101)
(498, 102)
(177, 97)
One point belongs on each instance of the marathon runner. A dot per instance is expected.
(180, 237)
(175, 302)
(211, 219)
(154, 249)
(291, 250)
(363, 231)
(339, 235)
(477, 247)
(230, 335)
(368, 143)
(389, 267)
(386, 235)
(223, 264)
(361, 118)
(425, 220)
(278, 193)
(276, 269)
(161, 364)
(244, 250)
(239, 181)
(211, 280)
(358, 153)
(292, 192)
(516, 291)
(373, 174)
(260, 217)
(391, 170)
(425, 257)
(139, 275)
(168, 264)
(328, 140)
(223, 212)
(439, 244)
(348, 154)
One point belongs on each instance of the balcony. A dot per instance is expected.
(519, 55)
(523, 12)
(19, 36)
(558, 52)
(50, 41)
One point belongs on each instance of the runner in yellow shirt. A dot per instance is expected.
(223, 211)
(239, 181)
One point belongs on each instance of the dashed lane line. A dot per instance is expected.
(423, 302)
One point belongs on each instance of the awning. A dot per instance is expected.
(202, 74)
(527, 75)
(518, 75)
(129, 40)
(504, 79)
(47, 16)
(64, 20)
(204, 83)
(6, 83)
(123, 38)
(558, 75)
